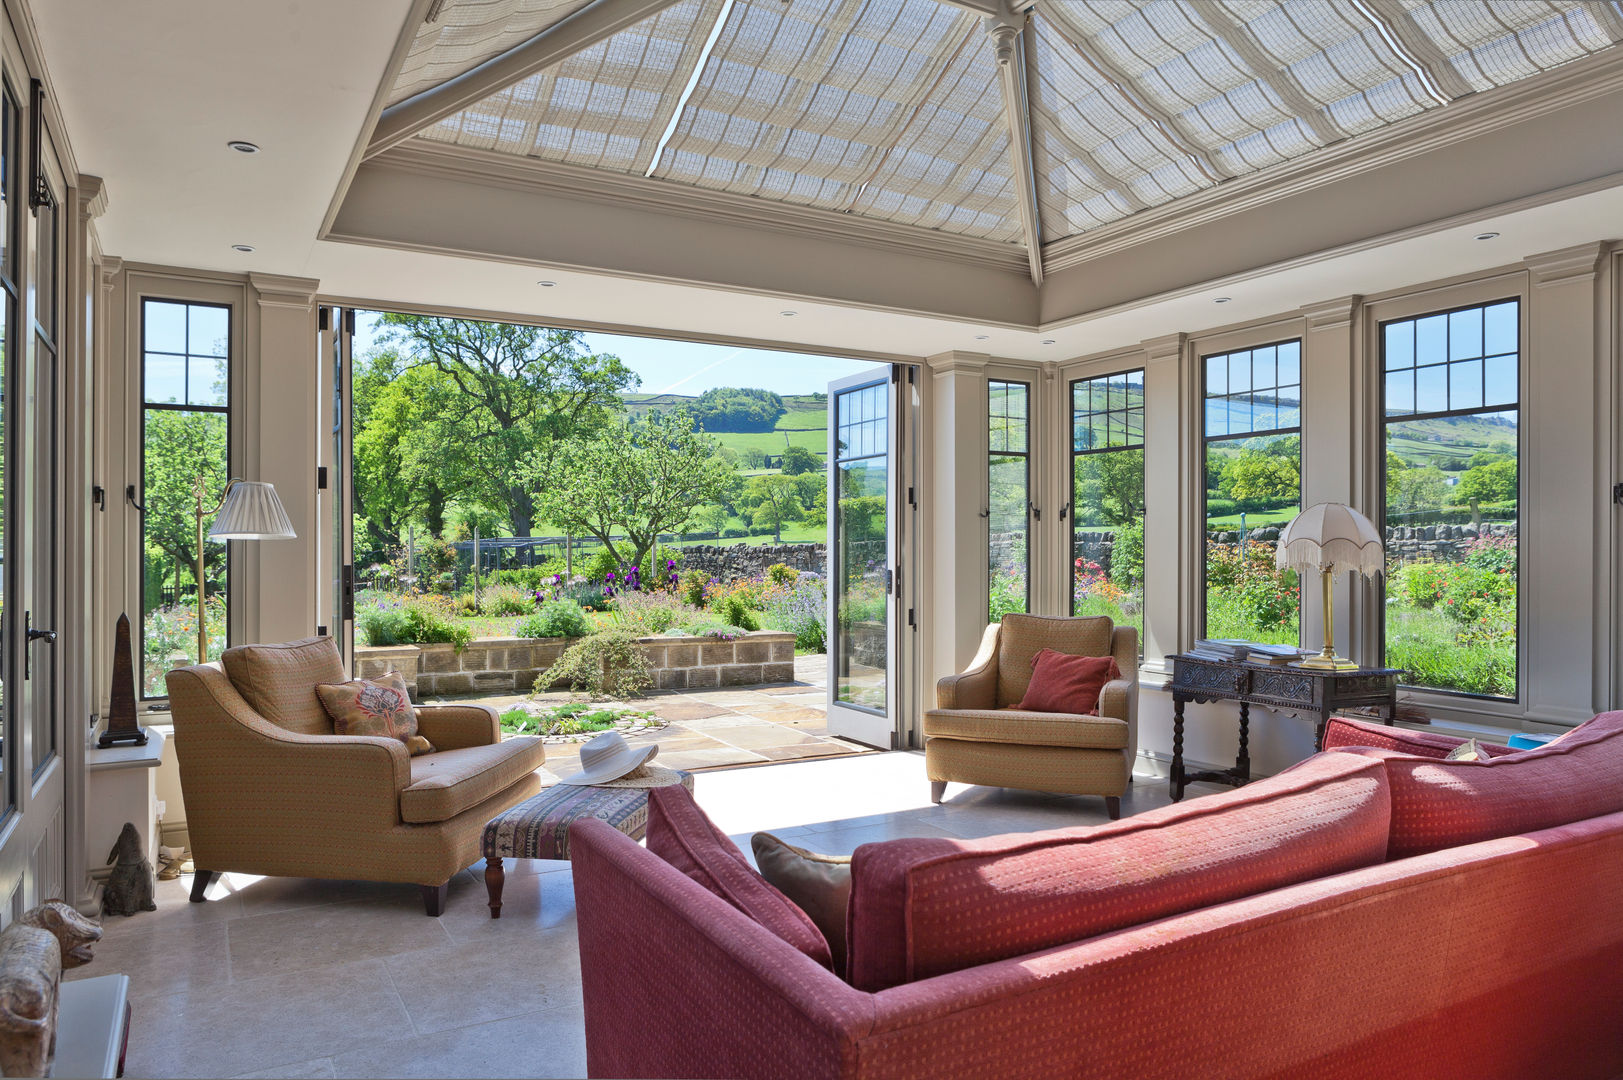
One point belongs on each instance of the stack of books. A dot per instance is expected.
(1277, 655)
(1227, 649)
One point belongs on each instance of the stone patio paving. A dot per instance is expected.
(715, 728)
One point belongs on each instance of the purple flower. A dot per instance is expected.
(610, 576)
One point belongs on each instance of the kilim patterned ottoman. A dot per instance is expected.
(538, 827)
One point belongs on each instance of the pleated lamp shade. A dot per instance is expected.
(1331, 536)
(251, 512)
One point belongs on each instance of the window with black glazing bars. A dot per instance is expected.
(1008, 477)
(1106, 510)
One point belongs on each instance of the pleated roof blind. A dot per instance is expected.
(891, 109)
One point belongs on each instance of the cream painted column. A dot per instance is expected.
(955, 614)
(1331, 422)
(283, 606)
(1170, 529)
(1566, 572)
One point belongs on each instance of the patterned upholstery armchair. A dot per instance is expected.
(975, 736)
(270, 789)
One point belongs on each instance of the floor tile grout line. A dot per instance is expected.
(394, 988)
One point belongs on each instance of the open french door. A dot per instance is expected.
(868, 509)
(337, 568)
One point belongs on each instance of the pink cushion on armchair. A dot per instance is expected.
(921, 908)
(1062, 683)
(1443, 804)
(681, 834)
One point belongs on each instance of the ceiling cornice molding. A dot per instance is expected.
(1166, 347)
(1478, 114)
(1566, 265)
(1331, 314)
(279, 290)
(111, 267)
(957, 362)
(92, 192)
(424, 157)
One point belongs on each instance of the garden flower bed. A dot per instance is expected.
(510, 665)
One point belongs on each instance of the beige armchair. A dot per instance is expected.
(271, 790)
(973, 736)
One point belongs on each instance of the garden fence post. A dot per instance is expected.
(476, 566)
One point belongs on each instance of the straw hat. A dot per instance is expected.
(609, 757)
(646, 776)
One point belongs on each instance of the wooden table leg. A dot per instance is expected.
(1242, 763)
(495, 878)
(1323, 719)
(1177, 748)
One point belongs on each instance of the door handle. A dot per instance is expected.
(30, 636)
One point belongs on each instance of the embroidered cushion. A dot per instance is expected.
(1062, 683)
(681, 834)
(379, 707)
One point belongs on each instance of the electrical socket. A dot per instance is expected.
(162, 806)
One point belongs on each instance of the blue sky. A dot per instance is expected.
(683, 367)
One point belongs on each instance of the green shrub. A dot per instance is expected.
(733, 532)
(556, 618)
(643, 613)
(411, 623)
(464, 605)
(803, 612)
(735, 610)
(781, 574)
(601, 565)
(1127, 553)
(691, 587)
(606, 664)
(1006, 593)
(1491, 554)
(1220, 508)
(1472, 595)
(503, 600)
(1421, 583)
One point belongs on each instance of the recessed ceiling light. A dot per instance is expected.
(546, 284)
(981, 337)
(1048, 341)
(788, 314)
(246, 249)
(242, 146)
(1221, 299)
(1486, 235)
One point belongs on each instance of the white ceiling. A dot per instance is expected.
(151, 93)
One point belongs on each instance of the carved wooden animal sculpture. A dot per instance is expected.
(75, 933)
(30, 969)
(129, 888)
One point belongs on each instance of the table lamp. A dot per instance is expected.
(1330, 538)
(248, 510)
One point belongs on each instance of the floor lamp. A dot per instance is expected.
(1330, 538)
(247, 510)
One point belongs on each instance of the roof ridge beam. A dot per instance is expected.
(1415, 49)
(1167, 124)
(579, 30)
(1008, 31)
(1238, 36)
(667, 119)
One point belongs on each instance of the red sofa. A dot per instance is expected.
(1263, 932)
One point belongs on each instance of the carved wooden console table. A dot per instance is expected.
(1288, 689)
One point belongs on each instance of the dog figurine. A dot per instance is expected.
(75, 933)
(30, 969)
(129, 889)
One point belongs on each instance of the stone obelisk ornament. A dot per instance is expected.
(30, 972)
(75, 933)
(121, 725)
(129, 887)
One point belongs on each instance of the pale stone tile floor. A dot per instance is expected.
(705, 729)
(286, 977)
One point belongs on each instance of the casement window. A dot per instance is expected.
(1008, 477)
(1107, 497)
(1252, 459)
(185, 442)
(1450, 401)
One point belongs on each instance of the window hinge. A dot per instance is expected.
(98, 495)
(323, 318)
(911, 499)
(321, 631)
(1036, 511)
(321, 478)
(1617, 494)
(910, 620)
(349, 321)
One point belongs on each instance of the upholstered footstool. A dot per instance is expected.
(538, 827)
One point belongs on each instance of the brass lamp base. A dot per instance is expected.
(1327, 663)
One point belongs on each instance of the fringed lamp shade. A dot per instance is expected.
(1333, 537)
(251, 512)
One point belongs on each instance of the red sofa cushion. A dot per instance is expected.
(1442, 804)
(684, 836)
(1062, 683)
(925, 907)
(1344, 731)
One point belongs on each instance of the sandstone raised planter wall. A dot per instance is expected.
(508, 665)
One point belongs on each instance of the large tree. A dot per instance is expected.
(773, 499)
(1109, 488)
(523, 394)
(179, 447)
(635, 478)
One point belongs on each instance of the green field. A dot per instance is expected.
(805, 424)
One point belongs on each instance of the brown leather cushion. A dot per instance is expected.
(279, 681)
(1024, 636)
(1027, 728)
(449, 782)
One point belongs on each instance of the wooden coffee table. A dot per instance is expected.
(538, 827)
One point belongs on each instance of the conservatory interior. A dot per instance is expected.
(902, 456)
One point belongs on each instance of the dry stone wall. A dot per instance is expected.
(751, 560)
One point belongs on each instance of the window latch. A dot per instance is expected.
(1036, 511)
(1617, 494)
(129, 497)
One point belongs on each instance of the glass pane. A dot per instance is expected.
(1290, 406)
(1431, 388)
(1135, 425)
(1500, 326)
(43, 709)
(1500, 378)
(1465, 335)
(1399, 345)
(7, 494)
(859, 586)
(1399, 393)
(1253, 489)
(206, 381)
(1452, 560)
(1006, 538)
(1239, 372)
(208, 332)
(1217, 416)
(1082, 433)
(1290, 362)
(8, 186)
(1107, 537)
(1465, 384)
(1263, 368)
(165, 327)
(166, 379)
(45, 262)
(1217, 375)
(1431, 339)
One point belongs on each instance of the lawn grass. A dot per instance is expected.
(1252, 520)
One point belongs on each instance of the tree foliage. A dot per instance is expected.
(797, 460)
(1260, 477)
(180, 447)
(773, 500)
(731, 408)
(640, 478)
(1494, 482)
(1109, 487)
